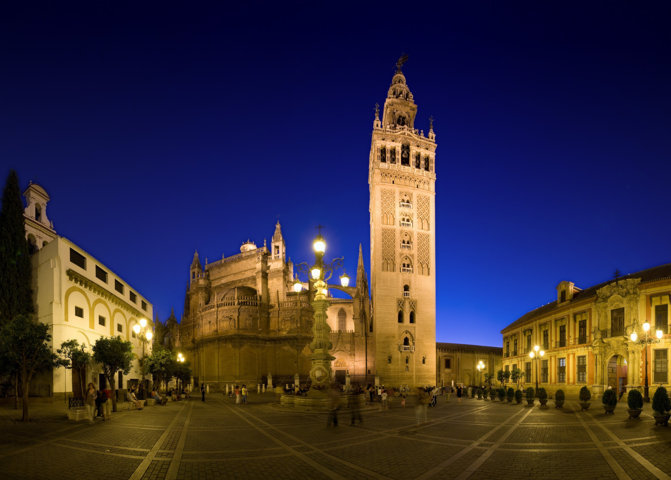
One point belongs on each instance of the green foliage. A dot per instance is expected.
(479, 393)
(502, 376)
(510, 394)
(634, 399)
(518, 395)
(585, 395)
(16, 296)
(660, 401)
(74, 356)
(492, 393)
(501, 393)
(161, 364)
(609, 398)
(542, 394)
(560, 397)
(530, 395)
(182, 372)
(114, 354)
(516, 374)
(24, 348)
(488, 378)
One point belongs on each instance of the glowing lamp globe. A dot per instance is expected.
(149, 335)
(531, 355)
(298, 286)
(319, 244)
(143, 322)
(344, 280)
(316, 272)
(659, 334)
(646, 326)
(136, 328)
(633, 336)
(541, 353)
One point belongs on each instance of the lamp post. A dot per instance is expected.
(180, 359)
(537, 354)
(645, 341)
(320, 372)
(145, 335)
(480, 367)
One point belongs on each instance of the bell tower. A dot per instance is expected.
(402, 228)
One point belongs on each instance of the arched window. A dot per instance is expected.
(406, 265)
(383, 154)
(38, 212)
(342, 320)
(406, 221)
(418, 160)
(426, 163)
(405, 154)
(406, 342)
(392, 155)
(412, 317)
(405, 201)
(400, 120)
(400, 316)
(406, 241)
(406, 293)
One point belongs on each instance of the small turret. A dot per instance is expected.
(196, 270)
(278, 249)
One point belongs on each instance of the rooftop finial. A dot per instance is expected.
(431, 122)
(399, 63)
(377, 111)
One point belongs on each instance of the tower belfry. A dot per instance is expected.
(402, 228)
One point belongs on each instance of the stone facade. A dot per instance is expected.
(79, 297)
(243, 323)
(402, 179)
(586, 335)
(457, 363)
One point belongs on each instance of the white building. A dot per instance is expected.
(80, 298)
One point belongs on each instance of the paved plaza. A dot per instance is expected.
(218, 439)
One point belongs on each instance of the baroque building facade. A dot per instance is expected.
(79, 298)
(586, 335)
(242, 322)
(457, 363)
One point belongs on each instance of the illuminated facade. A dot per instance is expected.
(585, 335)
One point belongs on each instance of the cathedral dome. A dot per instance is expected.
(398, 88)
(248, 246)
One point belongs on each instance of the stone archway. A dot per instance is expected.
(617, 373)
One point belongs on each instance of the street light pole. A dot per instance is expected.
(145, 335)
(645, 341)
(536, 354)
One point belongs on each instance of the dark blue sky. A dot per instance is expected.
(162, 128)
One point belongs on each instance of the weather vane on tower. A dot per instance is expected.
(399, 63)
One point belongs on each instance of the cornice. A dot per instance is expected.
(103, 292)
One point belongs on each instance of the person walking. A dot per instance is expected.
(355, 407)
(422, 405)
(243, 392)
(459, 393)
(383, 397)
(237, 395)
(202, 392)
(333, 406)
(90, 401)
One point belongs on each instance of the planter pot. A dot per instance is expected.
(634, 412)
(519, 401)
(559, 404)
(610, 409)
(543, 402)
(584, 405)
(530, 403)
(662, 419)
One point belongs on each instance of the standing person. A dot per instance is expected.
(333, 406)
(107, 404)
(421, 407)
(237, 395)
(244, 394)
(202, 392)
(354, 407)
(383, 397)
(459, 393)
(403, 400)
(91, 401)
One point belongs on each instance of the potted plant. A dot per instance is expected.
(510, 394)
(492, 394)
(661, 406)
(518, 396)
(542, 396)
(472, 389)
(585, 396)
(559, 398)
(635, 403)
(530, 396)
(501, 393)
(479, 393)
(609, 400)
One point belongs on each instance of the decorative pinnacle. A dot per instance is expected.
(399, 63)
(431, 122)
(377, 111)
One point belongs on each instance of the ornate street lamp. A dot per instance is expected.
(645, 341)
(145, 335)
(480, 367)
(537, 354)
(180, 359)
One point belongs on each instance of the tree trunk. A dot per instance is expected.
(16, 391)
(110, 379)
(25, 385)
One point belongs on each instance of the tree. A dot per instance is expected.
(161, 364)
(24, 347)
(515, 375)
(75, 357)
(16, 296)
(183, 372)
(114, 355)
(488, 379)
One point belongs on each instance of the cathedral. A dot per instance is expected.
(243, 321)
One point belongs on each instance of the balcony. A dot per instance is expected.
(406, 348)
(405, 205)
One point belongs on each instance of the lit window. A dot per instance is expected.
(661, 366)
(582, 369)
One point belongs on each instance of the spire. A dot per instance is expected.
(399, 107)
(277, 236)
(196, 261)
(376, 122)
(361, 279)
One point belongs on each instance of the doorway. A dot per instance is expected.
(617, 373)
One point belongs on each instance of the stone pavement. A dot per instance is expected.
(217, 439)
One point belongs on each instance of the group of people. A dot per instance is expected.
(98, 403)
(239, 393)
